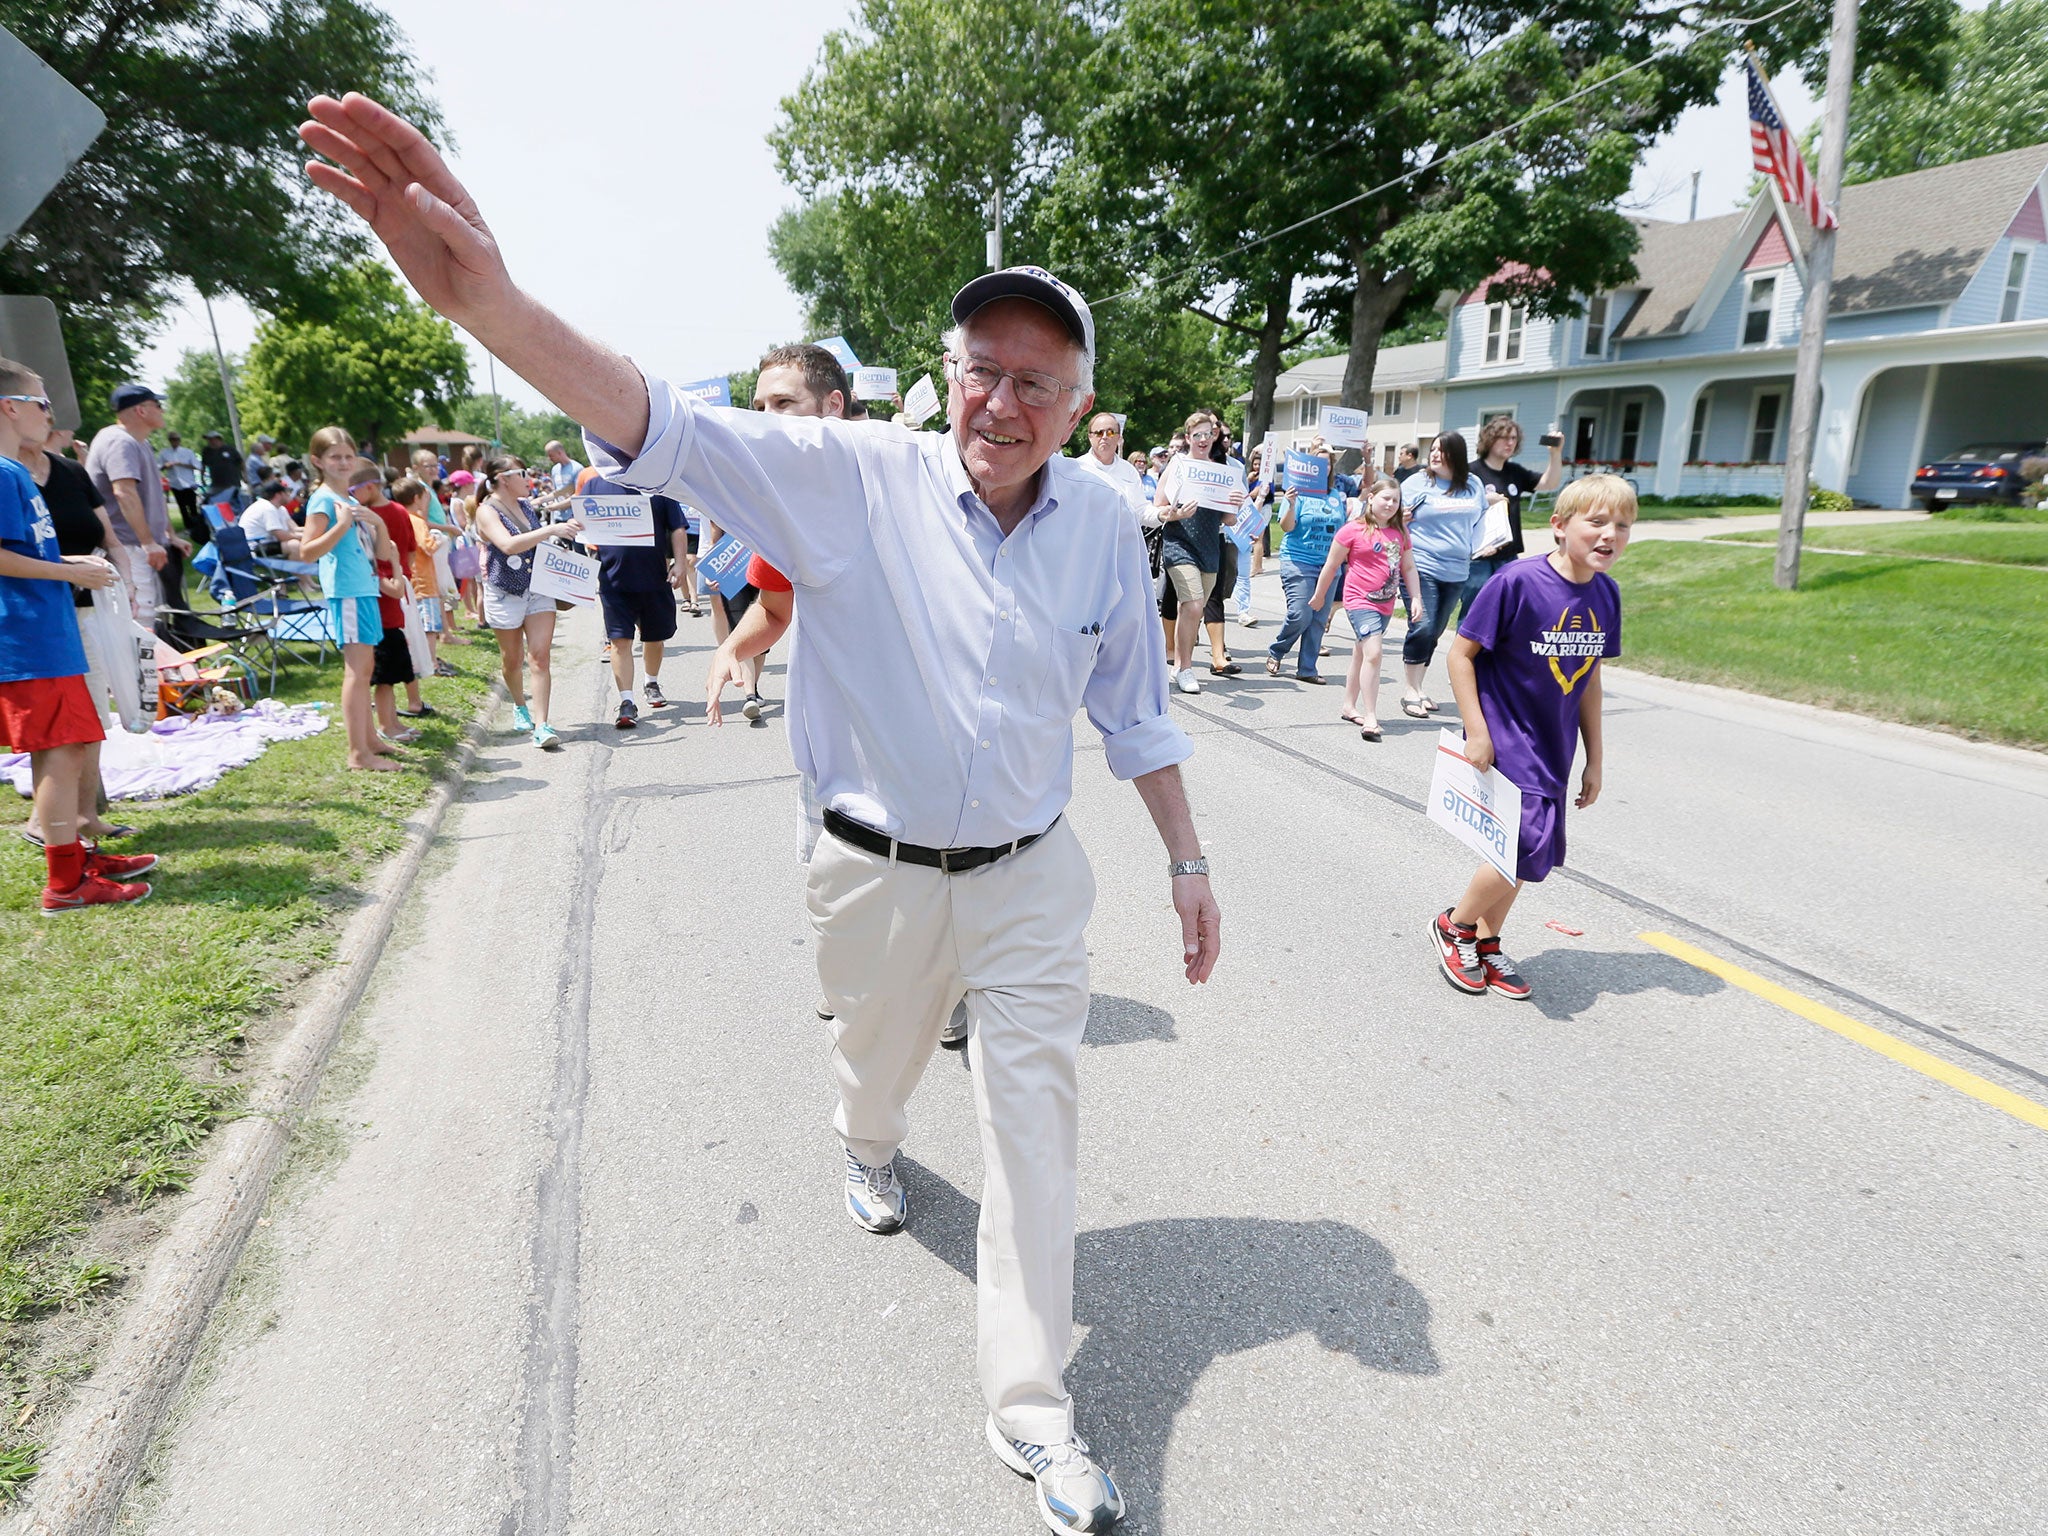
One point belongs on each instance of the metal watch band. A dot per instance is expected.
(1189, 866)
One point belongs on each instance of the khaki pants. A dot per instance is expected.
(142, 586)
(897, 948)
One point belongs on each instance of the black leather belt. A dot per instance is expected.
(952, 860)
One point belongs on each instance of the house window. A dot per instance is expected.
(1763, 427)
(1756, 311)
(1696, 441)
(2015, 283)
(1503, 333)
(1390, 403)
(1596, 326)
(1631, 430)
(1306, 410)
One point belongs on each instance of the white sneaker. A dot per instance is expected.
(1076, 1497)
(955, 1032)
(1186, 681)
(873, 1197)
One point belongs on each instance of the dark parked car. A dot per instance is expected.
(1980, 472)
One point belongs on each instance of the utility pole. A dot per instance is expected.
(227, 385)
(1694, 211)
(1820, 272)
(497, 426)
(995, 233)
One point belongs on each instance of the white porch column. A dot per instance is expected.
(1842, 384)
(1680, 391)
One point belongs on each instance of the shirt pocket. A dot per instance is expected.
(1070, 658)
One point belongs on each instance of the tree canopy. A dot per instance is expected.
(523, 432)
(194, 402)
(1985, 91)
(197, 176)
(379, 366)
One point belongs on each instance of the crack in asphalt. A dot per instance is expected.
(1643, 904)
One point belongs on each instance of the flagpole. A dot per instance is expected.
(1820, 273)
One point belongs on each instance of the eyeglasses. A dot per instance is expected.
(1103, 432)
(42, 400)
(1037, 390)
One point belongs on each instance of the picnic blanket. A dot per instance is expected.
(186, 753)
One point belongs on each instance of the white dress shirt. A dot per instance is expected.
(939, 664)
(180, 466)
(1128, 483)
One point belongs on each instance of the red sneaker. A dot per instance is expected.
(1457, 953)
(92, 891)
(119, 866)
(1501, 975)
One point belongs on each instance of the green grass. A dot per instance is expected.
(1998, 543)
(120, 1029)
(1650, 512)
(1955, 647)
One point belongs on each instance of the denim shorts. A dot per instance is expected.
(1367, 622)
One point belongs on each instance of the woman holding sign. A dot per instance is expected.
(1309, 519)
(523, 621)
(1193, 496)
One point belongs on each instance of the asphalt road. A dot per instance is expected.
(1358, 1253)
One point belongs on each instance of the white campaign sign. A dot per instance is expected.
(1343, 427)
(1481, 810)
(874, 383)
(562, 573)
(922, 403)
(1213, 485)
(616, 520)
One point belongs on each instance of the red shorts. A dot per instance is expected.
(47, 712)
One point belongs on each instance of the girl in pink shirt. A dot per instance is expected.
(1373, 550)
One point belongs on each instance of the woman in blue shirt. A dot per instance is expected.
(1309, 522)
(1446, 506)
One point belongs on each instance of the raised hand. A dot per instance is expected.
(401, 187)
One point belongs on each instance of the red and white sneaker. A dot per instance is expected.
(92, 891)
(119, 866)
(1501, 975)
(1457, 953)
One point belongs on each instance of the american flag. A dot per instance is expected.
(1773, 151)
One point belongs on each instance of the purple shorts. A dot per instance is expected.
(1539, 845)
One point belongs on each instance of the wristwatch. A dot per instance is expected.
(1181, 867)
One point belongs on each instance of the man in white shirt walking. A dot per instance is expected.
(963, 593)
(1105, 458)
(180, 466)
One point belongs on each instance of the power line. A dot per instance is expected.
(1602, 83)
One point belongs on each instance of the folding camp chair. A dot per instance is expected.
(262, 598)
(182, 675)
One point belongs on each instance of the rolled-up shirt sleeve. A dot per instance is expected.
(1126, 694)
(788, 487)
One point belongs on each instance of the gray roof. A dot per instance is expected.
(1408, 367)
(1905, 240)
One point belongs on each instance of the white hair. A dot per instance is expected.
(955, 342)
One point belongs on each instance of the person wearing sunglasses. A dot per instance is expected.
(964, 594)
(123, 468)
(1105, 458)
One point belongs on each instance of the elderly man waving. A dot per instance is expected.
(963, 594)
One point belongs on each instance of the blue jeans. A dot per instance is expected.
(1303, 623)
(1438, 599)
(1483, 567)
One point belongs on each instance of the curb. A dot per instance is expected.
(101, 1442)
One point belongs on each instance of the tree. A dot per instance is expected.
(194, 402)
(378, 366)
(525, 433)
(1240, 146)
(896, 140)
(197, 177)
(1989, 92)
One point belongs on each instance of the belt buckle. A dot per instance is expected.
(946, 858)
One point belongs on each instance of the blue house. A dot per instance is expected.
(1682, 381)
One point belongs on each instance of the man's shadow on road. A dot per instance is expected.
(1567, 982)
(1163, 1300)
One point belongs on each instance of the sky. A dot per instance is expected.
(625, 169)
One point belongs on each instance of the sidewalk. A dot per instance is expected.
(1709, 527)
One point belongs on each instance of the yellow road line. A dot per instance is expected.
(1877, 1040)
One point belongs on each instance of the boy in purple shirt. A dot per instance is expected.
(1526, 671)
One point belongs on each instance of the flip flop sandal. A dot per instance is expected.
(1370, 733)
(1272, 667)
(1350, 719)
(1228, 669)
(1415, 709)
